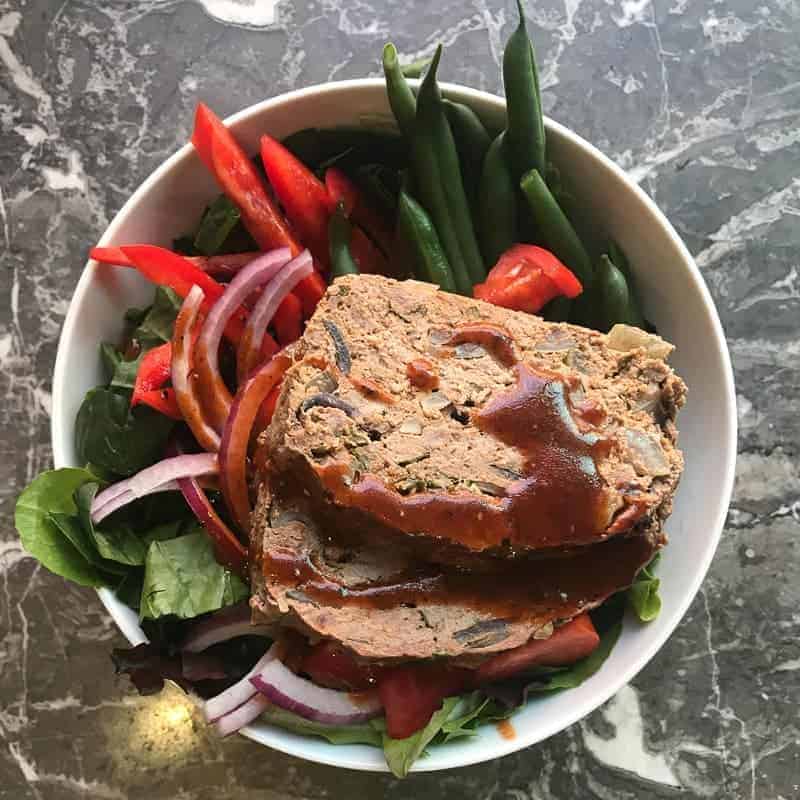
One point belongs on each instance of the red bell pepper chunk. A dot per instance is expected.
(369, 258)
(240, 181)
(166, 268)
(154, 371)
(357, 207)
(288, 320)
(162, 400)
(302, 195)
(526, 278)
(310, 291)
(569, 643)
(411, 694)
(329, 664)
(110, 255)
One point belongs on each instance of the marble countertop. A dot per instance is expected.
(699, 101)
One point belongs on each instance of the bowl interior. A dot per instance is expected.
(675, 299)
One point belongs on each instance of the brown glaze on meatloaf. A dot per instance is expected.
(360, 437)
(383, 603)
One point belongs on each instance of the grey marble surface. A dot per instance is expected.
(700, 101)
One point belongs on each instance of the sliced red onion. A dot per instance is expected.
(214, 393)
(234, 696)
(287, 690)
(182, 382)
(228, 550)
(227, 623)
(243, 715)
(236, 436)
(249, 350)
(150, 480)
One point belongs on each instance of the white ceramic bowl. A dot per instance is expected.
(675, 297)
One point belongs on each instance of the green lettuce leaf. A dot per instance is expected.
(182, 577)
(643, 596)
(119, 544)
(402, 753)
(39, 519)
(158, 323)
(364, 733)
(117, 438)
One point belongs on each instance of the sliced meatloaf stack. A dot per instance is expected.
(444, 477)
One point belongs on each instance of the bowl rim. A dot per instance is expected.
(470, 96)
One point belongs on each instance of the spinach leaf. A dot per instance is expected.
(473, 710)
(182, 577)
(117, 438)
(121, 544)
(157, 325)
(402, 753)
(643, 597)
(363, 733)
(108, 573)
(129, 589)
(51, 495)
(218, 222)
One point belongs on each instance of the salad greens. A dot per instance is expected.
(643, 596)
(116, 437)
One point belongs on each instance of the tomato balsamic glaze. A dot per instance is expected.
(559, 501)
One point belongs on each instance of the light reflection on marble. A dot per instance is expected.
(699, 101)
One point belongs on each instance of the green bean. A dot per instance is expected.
(555, 229)
(615, 304)
(381, 184)
(437, 176)
(526, 136)
(342, 262)
(619, 260)
(497, 204)
(472, 142)
(417, 229)
(415, 68)
(401, 98)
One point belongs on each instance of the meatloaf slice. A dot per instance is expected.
(382, 603)
(480, 429)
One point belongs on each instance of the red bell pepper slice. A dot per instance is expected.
(357, 207)
(302, 195)
(526, 278)
(288, 320)
(240, 181)
(310, 291)
(411, 694)
(329, 664)
(569, 643)
(166, 268)
(369, 258)
(154, 371)
(162, 400)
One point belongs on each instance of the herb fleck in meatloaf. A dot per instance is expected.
(359, 426)
(443, 477)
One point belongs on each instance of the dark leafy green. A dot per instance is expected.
(117, 438)
(182, 578)
(643, 596)
(119, 544)
(156, 326)
(218, 222)
(39, 519)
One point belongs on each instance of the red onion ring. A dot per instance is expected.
(228, 550)
(300, 696)
(243, 715)
(222, 625)
(234, 696)
(249, 349)
(182, 380)
(236, 436)
(150, 480)
(214, 394)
